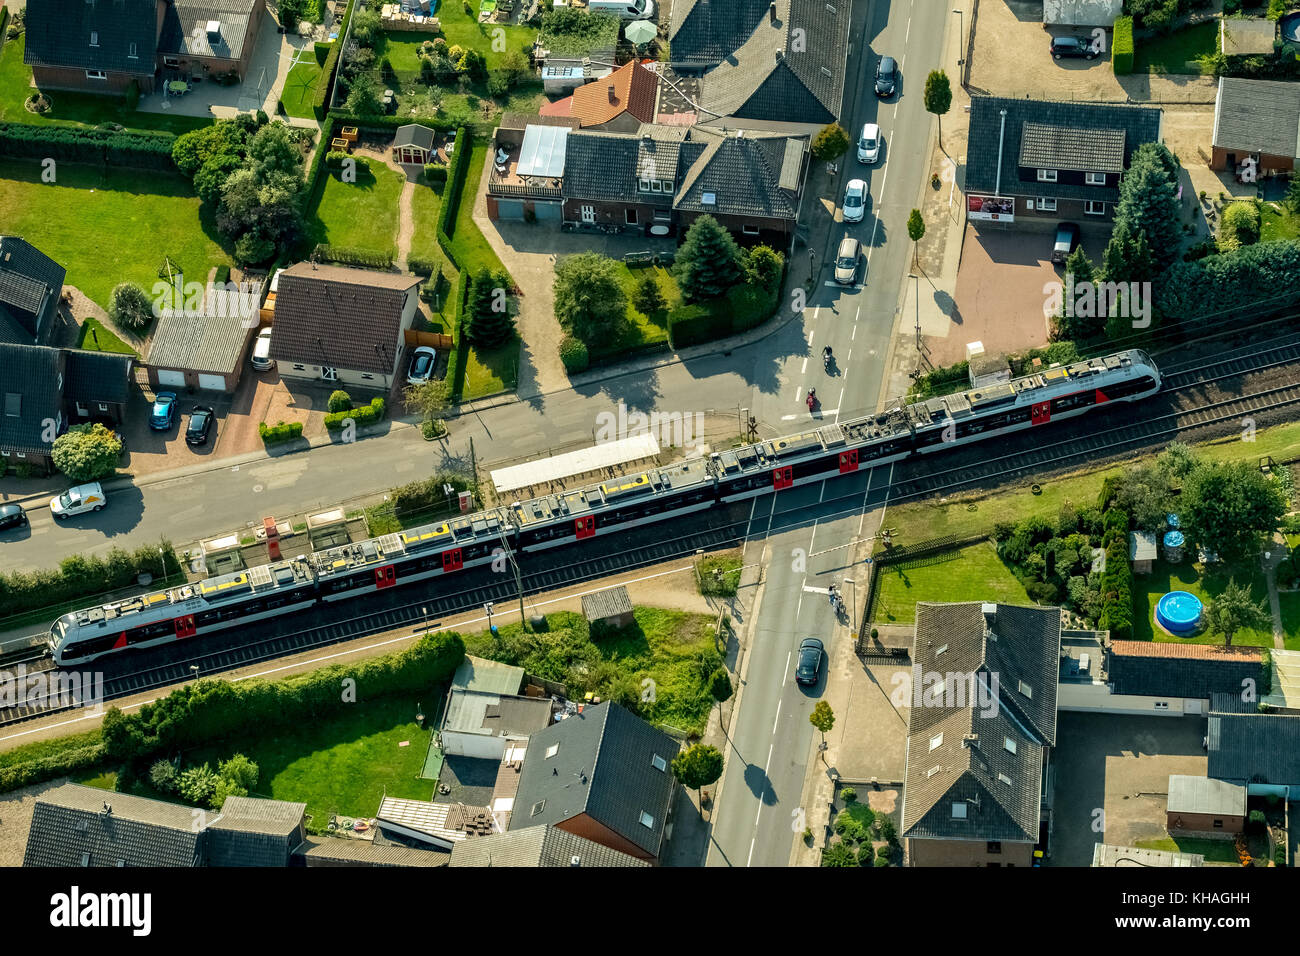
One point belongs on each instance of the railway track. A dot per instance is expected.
(1235, 362)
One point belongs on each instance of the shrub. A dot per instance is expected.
(279, 432)
(335, 158)
(435, 173)
(95, 146)
(1121, 56)
(574, 355)
(1239, 226)
(129, 306)
(133, 95)
(40, 769)
(223, 275)
(162, 775)
(848, 794)
(365, 415)
(339, 401)
(353, 257)
(86, 452)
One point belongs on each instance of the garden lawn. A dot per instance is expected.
(426, 201)
(1214, 851)
(488, 371)
(1205, 582)
(300, 88)
(468, 244)
(642, 331)
(971, 574)
(102, 340)
(458, 29)
(361, 215)
(1277, 223)
(141, 216)
(77, 109)
(1290, 604)
(1173, 53)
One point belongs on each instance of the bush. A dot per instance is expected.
(78, 577)
(162, 776)
(96, 146)
(365, 415)
(133, 95)
(223, 275)
(848, 794)
(1239, 226)
(279, 432)
(435, 173)
(339, 401)
(353, 257)
(130, 307)
(692, 324)
(86, 452)
(1121, 55)
(574, 355)
(40, 769)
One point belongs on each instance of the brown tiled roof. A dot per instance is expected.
(633, 87)
(334, 315)
(1205, 652)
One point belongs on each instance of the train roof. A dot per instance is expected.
(676, 477)
(374, 551)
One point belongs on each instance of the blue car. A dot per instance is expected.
(164, 410)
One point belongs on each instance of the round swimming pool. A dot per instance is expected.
(1290, 26)
(1179, 612)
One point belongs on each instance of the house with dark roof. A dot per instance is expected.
(344, 325)
(537, 847)
(1168, 678)
(1035, 162)
(45, 389)
(602, 774)
(1256, 120)
(31, 285)
(338, 851)
(619, 102)
(103, 46)
(981, 726)
(254, 832)
(204, 348)
(1259, 751)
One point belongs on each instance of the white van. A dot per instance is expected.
(78, 500)
(625, 9)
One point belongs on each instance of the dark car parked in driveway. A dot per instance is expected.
(809, 666)
(1072, 46)
(200, 425)
(886, 76)
(12, 516)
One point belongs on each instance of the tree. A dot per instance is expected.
(1293, 195)
(514, 64)
(1069, 325)
(915, 230)
(162, 775)
(648, 299)
(239, 770)
(366, 27)
(938, 97)
(273, 150)
(1227, 506)
(429, 398)
(830, 143)
(1233, 609)
(1239, 226)
(1127, 257)
(212, 176)
(1148, 202)
(839, 854)
(291, 11)
(698, 766)
(720, 685)
(823, 718)
(708, 262)
(86, 452)
(490, 322)
(589, 300)
(363, 98)
(763, 266)
(129, 306)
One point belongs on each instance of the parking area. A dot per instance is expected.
(149, 451)
(1111, 778)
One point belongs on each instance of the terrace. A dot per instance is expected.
(529, 162)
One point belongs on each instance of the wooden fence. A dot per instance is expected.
(434, 340)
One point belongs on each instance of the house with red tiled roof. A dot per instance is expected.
(619, 102)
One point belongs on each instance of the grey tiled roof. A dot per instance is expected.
(703, 32)
(253, 832)
(1258, 116)
(98, 377)
(537, 847)
(1188, 794)
(602, 767)
(70, 828)
(201, 343)
(30, 372)
(1254, 748)
(1067, 147)
(607, 603)
(413, 134)
(1137, 124)
(601, 166)
(743, 175)
(1145, 669)
(30, 285)
(59, 34)
(184, 26)
(325, 851)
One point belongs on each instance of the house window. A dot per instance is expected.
(1046, 205)
(1047, 175)
(94, 38)
(1026, 690)
(749, 230)
(1094, 208)
(644, 185)
(1095, 179)
(588, 213)
(1162, 705)
(103, 407)
(538, 807)
(1009, 744)
(552, 750)
(659, 763)
(647, 821)
(133, 54)
(936, 741)
(1218, 824)
(171, 61)
(994, 846)
(668, 185)
(96, 75)
(651, 186)
(22, 454)
(367, 376)
(13, 404)
(300, 368)
(630, 215)
(4, 453)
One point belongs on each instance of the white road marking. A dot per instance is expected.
(778, 701)
(816, 590)
(804, 367)
(907, 33)
(788, 418)
(853, 333)
(811, 333)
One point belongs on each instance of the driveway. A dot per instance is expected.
(149, 451)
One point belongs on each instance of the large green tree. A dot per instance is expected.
(490, 323)
(698, 766)
(86, 452)
(1148, 201)
(1233, 610)
(1227, 507)
(1069, 324)
(938, 97)
(589, 300)
(1128, 256)
(830, 143)
(709, 262)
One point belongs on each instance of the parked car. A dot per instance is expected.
(262, 360)
(625, 9)
(846, 260)
(163, 412)
(421, 369)
(1072, 46)
(1067, 240)
(886, 77)
(809, 666)
(200, 425)
(12, 516)
(78, 500)
(855, 200)
(869, 144)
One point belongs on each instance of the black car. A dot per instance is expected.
(811, 653)
(886, 76)
(1072, 46)
(1067, 240)
(200, 425)
(12, 516)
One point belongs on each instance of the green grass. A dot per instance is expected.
(1173, 53)
(719, 575)
(360, 215)
(426, 201)
(38, 749)
(109, 226)
(468, 243)
(300, 88)
(488, 371)
(1290, 606)
(641, 330)
(77, 109)
(1214, 851)
(102, 341)
(1204, 582)
(971, 574)
(458, 29)
(1277, 223)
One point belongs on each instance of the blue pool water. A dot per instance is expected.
(1179, 612)
(1290, 25)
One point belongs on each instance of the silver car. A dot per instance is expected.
(846, 260)
(855, 200)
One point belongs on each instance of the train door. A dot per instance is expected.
(848, 461)
(584, 527)
(185, 626)
(452, 560)
(782, 478)
(1040, 413)
(385, 577)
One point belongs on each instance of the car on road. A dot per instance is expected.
(12, 516)
(886, 77)
(163, 412)
(261, 359)
(78, 500)
(809, 666)
(1072, 46)
(855, 200)
(846, 260)
(200, 425)
(1067, 240)
(421, 369)
(869, 144)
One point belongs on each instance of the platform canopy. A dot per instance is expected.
(543, 151)
(577, 462)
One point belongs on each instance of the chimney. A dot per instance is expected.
(771, 13)
(970, 740)
(612, 97)
(575, 861)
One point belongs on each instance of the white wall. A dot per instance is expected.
(458, 744)
(1097, 698)
(1088, 13)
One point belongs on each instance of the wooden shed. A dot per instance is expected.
(611, 607)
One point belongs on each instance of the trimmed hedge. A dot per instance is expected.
(54, 765)
(364, 415)
(743, 307)
(320, 103)
(223, 274)
(1121, 46)
(421, 267)
(435, 172)
(574, 355)
(1253, 280)
(1117, 580)
(76, 145)
(79, 577)
(352, 257)
(280, 431)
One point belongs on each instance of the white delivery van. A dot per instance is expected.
(78, 500)
(626, 9)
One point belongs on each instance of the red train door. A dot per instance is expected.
(1101, 397)
(782, 478)
(1041, 413)
(584, 527)
(120, 642)
(184, 626)
(451, 561)
(848, 461)
(385, 577)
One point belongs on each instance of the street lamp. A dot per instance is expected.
(492, 628)
(194, 669)
(425, 612)
(812, 266)
(960, 47)
(916, 287)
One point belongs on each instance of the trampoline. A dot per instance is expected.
(1179, 612)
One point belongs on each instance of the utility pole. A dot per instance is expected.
(473, 465)
(519, 584)
(916, 286)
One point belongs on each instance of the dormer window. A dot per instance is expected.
(644, 185)
(668, 185)
(936, 741)
(1095, 179)
(656, 186)
(959, 810)
(1047, 175)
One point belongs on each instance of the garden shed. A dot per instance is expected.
(413, 146)
(611, 607)
(1141, 551)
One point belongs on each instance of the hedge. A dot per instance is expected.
(352, 257)
(223, 274)
(743, 307)
(320, 103)
(574, 355)
(435, 172)
(79, 577)
(280, 431)
(1121, 46)
(76, 145)
(364, 415)
(211, 709)
(1117, 580)
(1254, 280)
(421, 267)
(53, 765)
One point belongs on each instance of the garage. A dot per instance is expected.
(549, 211)
(171, 378)
(212, 383)
(204, 351)
(510, 210)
